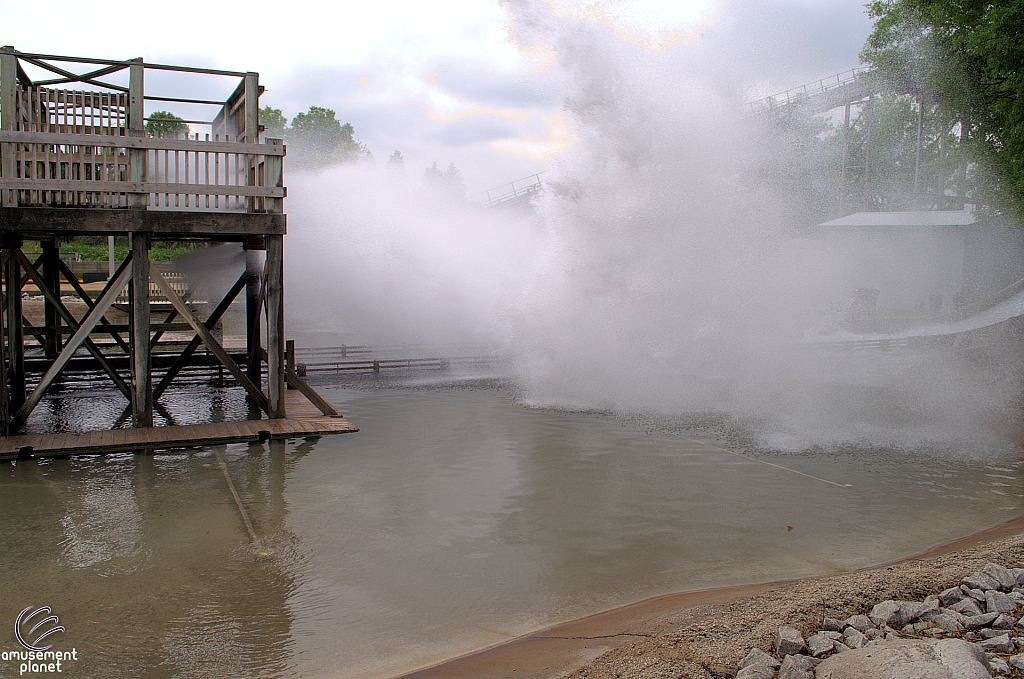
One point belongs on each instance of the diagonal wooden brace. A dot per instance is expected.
(73, 280)
(183, 357)
(254, 392)
(52, 297)
(110, 293)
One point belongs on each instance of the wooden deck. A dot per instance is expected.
(303, 420)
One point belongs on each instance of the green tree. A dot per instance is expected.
(166, 124)
(970, 54)
(318, 139)
(448, 184)
(273, 122)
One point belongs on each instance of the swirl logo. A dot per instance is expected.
(45, 626)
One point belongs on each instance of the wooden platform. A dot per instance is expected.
(303, 420)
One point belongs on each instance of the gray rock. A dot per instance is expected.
(1003, 622)
(861, 623)
(834, 636)
(789, 641)
(967, 606)
(756, 672)
(978, 621)
(988, 633)
(853, 638)
(891, 636)
(818, 645)
(839, 647)
(998, 665)
(871, 633)
(909, 659)
(949, 622)
(951, 596)
(1017, 661)
(885, 613)
(1000, 644)
(832, 625)
(1005, 579)
(1017, 573)
(976, 594)
(1016, 595)
(997, 602)
(797, 667)
(756, 656)
(910, 630)
(980, 580)
(912, 611)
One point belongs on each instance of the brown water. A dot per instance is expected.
(455, 519)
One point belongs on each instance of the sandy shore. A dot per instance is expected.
(690, 634)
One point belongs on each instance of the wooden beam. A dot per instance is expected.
(255, 264)
(275, 326)
(15, 329)
(165, 223)
(140, 186)
(8, 122)
(111, 292)
(53, 299)
(108, 327)
(184, 356)
(142, 370)
(209, 340)
(159, 143)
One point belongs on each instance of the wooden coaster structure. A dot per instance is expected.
(79, 162)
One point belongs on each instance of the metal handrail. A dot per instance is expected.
(802, 92)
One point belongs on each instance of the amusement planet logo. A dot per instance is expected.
(33, 629)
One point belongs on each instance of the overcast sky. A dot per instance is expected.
(442, 80)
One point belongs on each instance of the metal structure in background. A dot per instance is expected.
(75, 160)
(521, 191)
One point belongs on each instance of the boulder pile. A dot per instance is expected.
(970, 631)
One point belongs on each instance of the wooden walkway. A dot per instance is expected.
(303, 420)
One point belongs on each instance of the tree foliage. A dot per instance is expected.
(166, 124)
(966, 56)
(316, 138)
(448, 184)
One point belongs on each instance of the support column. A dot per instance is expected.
(846, 157)
(142, 374)
(867, 149)
(137, 128)
(8, 121)
(254, 259)
(51, 276)
(15, 328)
(917, 153)
(275, 325)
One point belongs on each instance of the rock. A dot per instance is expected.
(818, 645)
(756, 656)
(908, 659)
(891, 636)
(990, 633)
(912, 611)
(1017, 661)
(1017, 573)
(861, 623)
(789, 641)
(1003, 622)
(1016, 594)
(997, 602)
(756, 672)
(910, 630)
(797, 667)
(853, 638)
(839, 647)
(948, 621)
(980, 580)
(951, 596)
(1001, 575)
(832, 625)
(1000, 644)
(998, 665)
(885, 613)
(977, 621)
(834, 636)
(871, 633)
(968, 607)
(976, 594)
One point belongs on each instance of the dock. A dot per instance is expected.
(304, 421)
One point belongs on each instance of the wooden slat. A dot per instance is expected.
(113, 141)
(93, 186)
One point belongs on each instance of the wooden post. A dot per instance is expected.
(254, 259)
(15, 327)
(8, 121)
(137, 128)
(142, 376)
(5, 404)
(867, 149)
(51, 276)
(275, 325)
(289, 359)
(846, 157)
(251, 131)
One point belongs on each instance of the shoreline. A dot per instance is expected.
(671, 628)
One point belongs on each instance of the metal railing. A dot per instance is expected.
(804, 92)
(518, 189)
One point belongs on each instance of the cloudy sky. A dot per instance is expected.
(446, 80)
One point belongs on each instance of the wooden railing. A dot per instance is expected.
(93, 170)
